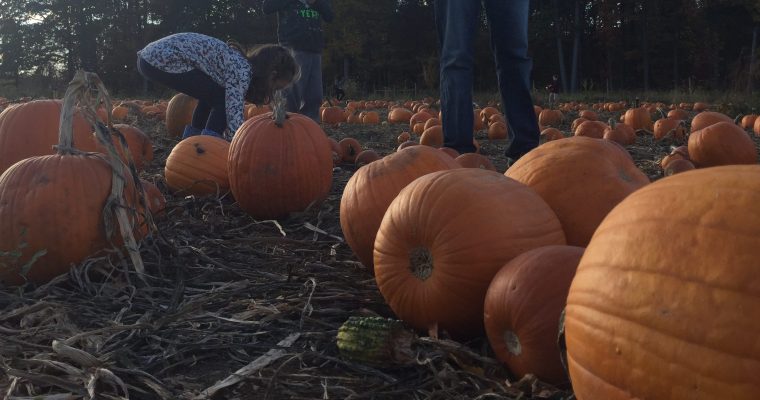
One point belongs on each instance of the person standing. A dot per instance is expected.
(553, 89)
(299, 27)
(457, 23)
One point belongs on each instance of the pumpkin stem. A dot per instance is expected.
(80, 93)
(279, 113)
(421, 262)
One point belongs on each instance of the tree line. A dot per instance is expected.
(392, 44)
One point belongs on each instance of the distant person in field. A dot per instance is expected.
(338, 88)
(553, 88)
(299, 26)
(457, 22)
(222, 76)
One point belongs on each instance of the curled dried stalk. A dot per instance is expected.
(84, 94)
(279, 113)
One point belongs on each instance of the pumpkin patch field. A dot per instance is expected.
(356, 258)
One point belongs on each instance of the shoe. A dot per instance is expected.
(190, 131)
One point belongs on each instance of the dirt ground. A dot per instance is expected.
(222, 291)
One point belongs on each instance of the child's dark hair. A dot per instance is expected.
(269, 63)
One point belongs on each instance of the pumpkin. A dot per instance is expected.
(678, 113)
(707, 118)
(403, 137)
(156, 199)
(581, 179)
(419, 117)
(52, 206)
(722, 143)
(406, 144)
(550, 134)
(197, 165)
(589, 115)
(31, 129)
(593, 129)
(677, 166)
(475, 160)
(337, 151)
(371, 117)
(576, 122)
(748, 121)
(179, 112)
(451, 152)
(366, 157)
(375, 341)
(333, 115)
(372, 188)
(620, 133)
(399, 115)
(497, 131)
(350, 148)
(669, 126)
(638, 118)
(432, 136)
(432, 262)
(699, 106)
(550, 117)
(651, 318)
(522, 310)
(279, 163)
(430, 123)
(138, 143)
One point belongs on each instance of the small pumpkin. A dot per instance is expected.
(197, 165)
(522, 310)
(179, 112)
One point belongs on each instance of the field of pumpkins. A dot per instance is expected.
(357, 258)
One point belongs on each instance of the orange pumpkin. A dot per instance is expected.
(333, 115)
(581, 179)
(372, 188)
(197, 165)
(497, 131)
(620, 133)
(31, 129)
(592, 129)
(179, 113)
(138, 143)
(550, 117)
(399, 115)
(523, 307)
(707, 118)
(652, 318)
(432, 265)
(723, 143)
(550, 134)
(677, 166)
(664, 126)
(278, 164)
(638, 118)
(366, 157)
(475, 160)
(432, 136)
(350, 148)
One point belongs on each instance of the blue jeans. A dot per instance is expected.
(211, 111)
(305, 95)
(457, 23)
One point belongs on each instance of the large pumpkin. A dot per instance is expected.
(638, 118)
(445, 236)
(722, 143)
(197, 165)
(179, 112)
(372, 188)
(707, 118)
(653, 318)
(581, 178)
(279, 165)
(52, 206)
(523, 307)
(31, 129)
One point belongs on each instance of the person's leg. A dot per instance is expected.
(508, 23)
(210, 112)
(457, 22)
(312, 95)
